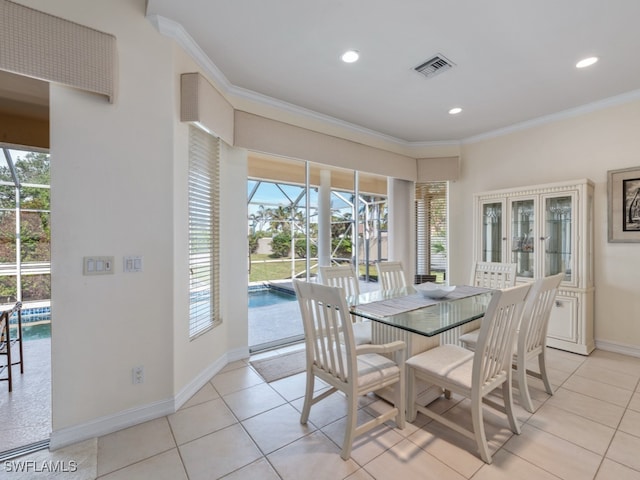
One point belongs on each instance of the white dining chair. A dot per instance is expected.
(333, 357)
(344, 276)
(474, 375)
(531, 340)
(391, 275)
(493, 275)
(340, 276)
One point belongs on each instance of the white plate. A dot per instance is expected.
(433, 290)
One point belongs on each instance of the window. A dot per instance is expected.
(25, 262)
(204, 268)
(431, 229)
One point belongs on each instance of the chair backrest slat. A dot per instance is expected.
(494, 275)
(343, 276)
(535, 319)
(327, 328)
(391, 275)
(497, 333)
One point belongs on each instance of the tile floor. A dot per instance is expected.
(239, 427)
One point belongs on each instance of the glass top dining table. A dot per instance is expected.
(408, 309)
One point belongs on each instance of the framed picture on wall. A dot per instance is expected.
(623, 188)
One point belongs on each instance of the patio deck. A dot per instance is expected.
(279, 324)
(26, 410)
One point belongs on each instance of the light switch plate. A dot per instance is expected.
(97, 265)
(132, 264)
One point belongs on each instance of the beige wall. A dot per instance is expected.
(119, 188)
(581, 147)
(111, 194)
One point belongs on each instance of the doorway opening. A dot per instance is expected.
(25, 276)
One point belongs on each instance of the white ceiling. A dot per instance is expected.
(514, 59)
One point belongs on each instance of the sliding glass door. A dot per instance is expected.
(299, 212)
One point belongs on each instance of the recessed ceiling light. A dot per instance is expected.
(586, 62)
(455, 111)
(350, 56)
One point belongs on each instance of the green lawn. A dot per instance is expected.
(265, 268)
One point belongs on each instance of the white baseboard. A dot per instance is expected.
(134, 416)
(207, 374)
(237, 354)
(110, 423)
(631, 350)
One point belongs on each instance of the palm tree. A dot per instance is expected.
(280, 218)
(259, 219)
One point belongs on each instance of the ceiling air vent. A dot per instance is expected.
(434, 66)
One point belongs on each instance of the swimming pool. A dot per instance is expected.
(265, 296)
(36, 331)
(36, 323)
(274, 317)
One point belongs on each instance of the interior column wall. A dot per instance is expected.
(402, 224)
(111, 195)
(197, 360)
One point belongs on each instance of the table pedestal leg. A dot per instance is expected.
(381, 333)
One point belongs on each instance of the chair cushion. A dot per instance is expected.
(374, 368)
(451, 362)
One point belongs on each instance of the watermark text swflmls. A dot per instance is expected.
(43, 466)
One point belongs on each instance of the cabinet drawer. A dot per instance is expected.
(563, 320)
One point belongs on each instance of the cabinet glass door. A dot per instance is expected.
(558, 212)
(522, 237)
(492, 232)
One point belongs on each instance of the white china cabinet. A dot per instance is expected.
(544, 230)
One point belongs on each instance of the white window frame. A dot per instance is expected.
(204, 206)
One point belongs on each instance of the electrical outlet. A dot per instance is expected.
(137, 374)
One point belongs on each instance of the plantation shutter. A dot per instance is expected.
(431, 228)
(204, 201)
(423, 254)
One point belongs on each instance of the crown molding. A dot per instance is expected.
(555, 117)
(176, 31)
(313, 115)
